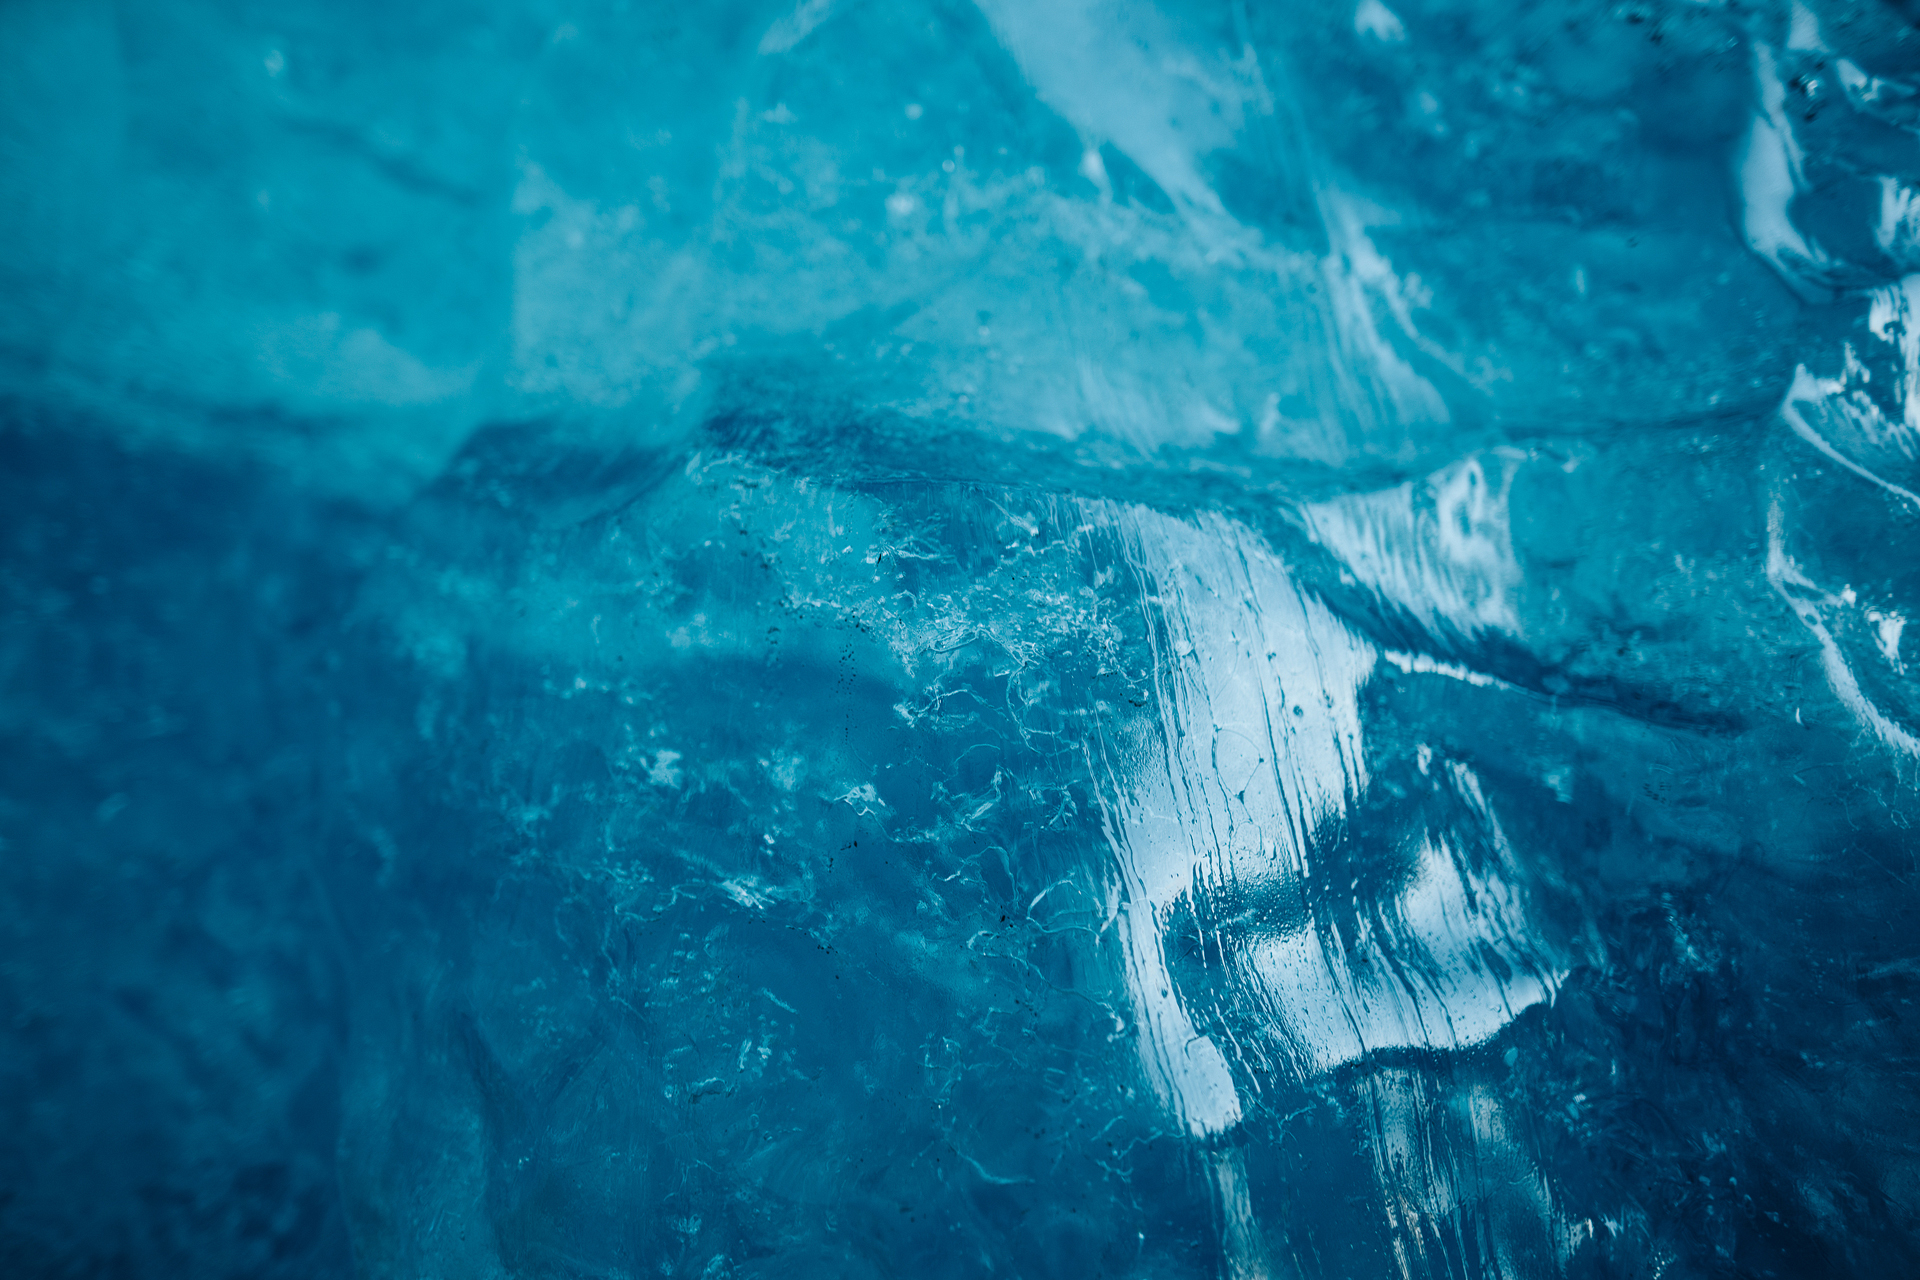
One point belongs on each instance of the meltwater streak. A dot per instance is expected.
(1236, 785)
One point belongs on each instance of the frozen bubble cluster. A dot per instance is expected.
(958, 638)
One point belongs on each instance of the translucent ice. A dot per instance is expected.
(813, 638)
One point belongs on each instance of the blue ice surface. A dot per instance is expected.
(1030, 638)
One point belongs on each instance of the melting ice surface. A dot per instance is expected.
(923, 639)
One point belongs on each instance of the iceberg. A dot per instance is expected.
(804, 638)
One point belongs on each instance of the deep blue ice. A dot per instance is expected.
(1042, 638)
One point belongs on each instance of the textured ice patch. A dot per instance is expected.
(1824, 613)
(1447, 964)
(1251, 753)
(1441, 550)
(1252, 744)
(1841, 418)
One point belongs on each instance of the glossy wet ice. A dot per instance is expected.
(950, 639)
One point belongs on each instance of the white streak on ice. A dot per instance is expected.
(1357, 276)
(1887, 629)
(1770, 177)
(1120, 73)
(1803, 31)
(1422, 664)
(1256, 751)
(1258, 744)
(1338, 1004)
(1898, 231)
(795, 26)
(1442, 1153)
(1441, 550)
(1371, 18)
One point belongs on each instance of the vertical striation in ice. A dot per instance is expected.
(948, 639)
